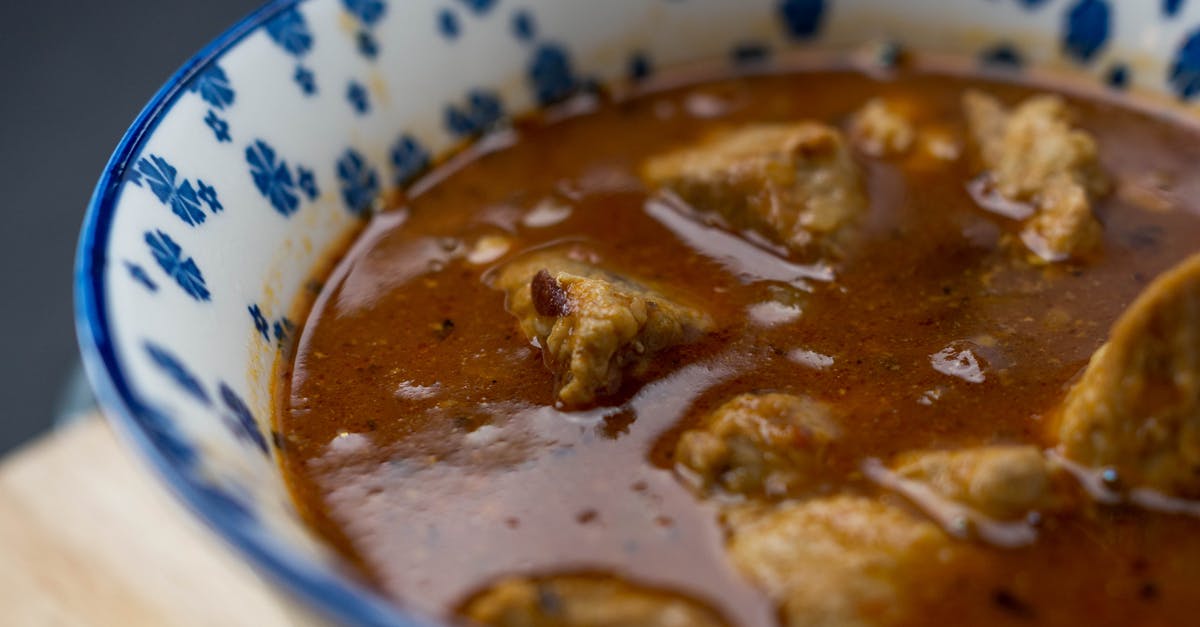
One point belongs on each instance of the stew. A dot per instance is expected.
(803, 347)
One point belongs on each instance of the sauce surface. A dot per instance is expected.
(420, 429)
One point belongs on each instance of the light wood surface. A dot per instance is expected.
(88, 537)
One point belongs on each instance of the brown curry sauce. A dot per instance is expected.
(419, 427)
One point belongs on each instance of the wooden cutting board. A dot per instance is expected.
(88, 537)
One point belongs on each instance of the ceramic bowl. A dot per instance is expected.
(264, 151)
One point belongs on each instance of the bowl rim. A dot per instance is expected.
(333, 595)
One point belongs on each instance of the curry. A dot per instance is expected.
(816, 346)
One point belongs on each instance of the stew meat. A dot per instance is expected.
(815, 347)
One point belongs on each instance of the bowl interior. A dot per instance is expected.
(264, 151)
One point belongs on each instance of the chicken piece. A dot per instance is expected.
(1034, 155)
(758, 444)
(1137, 407)
(1063, 225)
(577, 601)
(593, 327)
(841, 561)
(1001, 482)
(795, 184)
(881, 129)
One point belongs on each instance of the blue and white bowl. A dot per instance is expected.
(265, 150)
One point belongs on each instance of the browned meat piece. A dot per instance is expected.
(593, 327)
(1137, 407)
(1034, 155)
(758, 444)
(1001, 482)
(795, 184)
(584, 602)
(841, 561)
(881, 129)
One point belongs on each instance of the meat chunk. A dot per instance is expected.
(576, 601)
(1002, 482)
(840, 561)
(594, 327)
(795, 184)
(881, 129)
(758, 444)
(1137, 407)
(1034, 155)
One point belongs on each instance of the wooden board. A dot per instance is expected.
(88, 537)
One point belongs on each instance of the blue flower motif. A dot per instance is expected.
(802, 18)
(1171, 8)
(307, 182)
(242, 420)
(357, 95)
(213, 86)
(220, 127)
(208, 196)
(260, 321)
(1086, 29)
(523, 26)
(749, 53)
(551, 75)
(367, 46)
(368, 11)
(447, 23)
(133, 176)
(272, 178)
(282, 329)
(1185, 68)
(290, 32)
(307, 81)
(1118, 76)
(169, 256)
(139, 274)
(162, 433)
(639, 66)
(484, 110)
(181, 198)
(409, 158)
(1002, 55)
(480, 6)
(222, 500)
(360, 185)
(172, 367)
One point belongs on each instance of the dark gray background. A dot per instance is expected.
(73, 74)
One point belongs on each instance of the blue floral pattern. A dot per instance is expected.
(1171, 8)
(181, 197)
(139, 274)
(290, 31)
(551, 75)
(260, 321)
(272, 177)
(213, 86)
(802, 18)
(176, 265)
(1086, 29)
(360, 185)
(368, 13)
(172, 367)
(241, 419)
(1185, 67)
(483, 111)
(357, 95)
(409, 159)
(219, 126)
(479, 6)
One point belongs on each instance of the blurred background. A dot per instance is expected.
(75, 74)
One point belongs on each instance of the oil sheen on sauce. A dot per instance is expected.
(420, 433)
